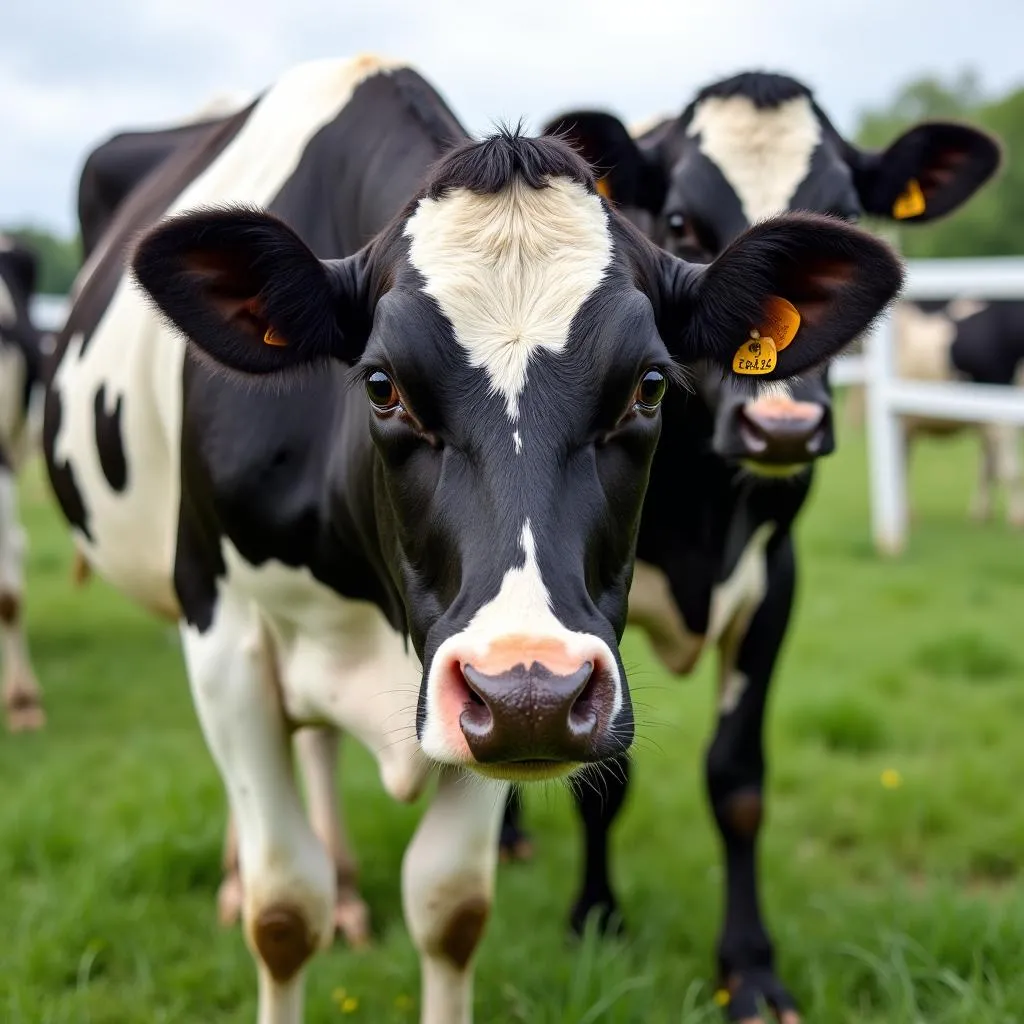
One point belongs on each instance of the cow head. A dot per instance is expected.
(752, 147)
(512, 337)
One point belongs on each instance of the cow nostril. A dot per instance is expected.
(751, 434)
(475, 697)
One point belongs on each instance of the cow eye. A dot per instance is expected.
(651, 390)
(381, 391)
(676, 223)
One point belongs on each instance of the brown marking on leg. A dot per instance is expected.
(464, 930)
(744, 811)
(24, 709)
(283, 941)
(10, 608)
(81, 570)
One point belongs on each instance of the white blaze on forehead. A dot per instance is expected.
(764, 153)
(511, 270)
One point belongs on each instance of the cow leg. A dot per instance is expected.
(735, 769)
(514, 843)
(447, 889)
(317, 750)
(1008, 470)
(288, 881)
(22, 698)
(983, 503)
(599, 798)
(229, 895)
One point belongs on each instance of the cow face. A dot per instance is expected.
(513, 338)
(749, 148)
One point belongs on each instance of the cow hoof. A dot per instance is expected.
(25, 716)
(229, 900)
(601, 914)
(352, 921)
(747, 993)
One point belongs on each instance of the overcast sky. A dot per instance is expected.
(72, 72)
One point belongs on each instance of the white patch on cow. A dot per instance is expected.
(763, 153)
(733, 688)
(517, 441)
(739, 595)
(961, 309)
(653, 609)
(511, 270)
(134, 354)
(924, 342)
(339, 660)
(522, 607)
(8, 312)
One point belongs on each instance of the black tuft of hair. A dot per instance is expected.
(764, 89)
(490, 165)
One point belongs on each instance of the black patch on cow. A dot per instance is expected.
(109, 443)
(764, 89)
(62, 477)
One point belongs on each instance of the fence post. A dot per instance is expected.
(886, 443)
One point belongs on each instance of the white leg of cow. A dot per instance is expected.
(229, 895)
(22, 698)
(288, 882)
(983, 502)
(1008, 470)
(317, 750)
(447, 889)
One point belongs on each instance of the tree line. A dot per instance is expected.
(991, 224)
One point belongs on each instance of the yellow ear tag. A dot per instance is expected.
(603, 188)
(781, 321)
(910, 202)
(271, 337)
(756, 355)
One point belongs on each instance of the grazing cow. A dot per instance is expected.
(395, 486)
(20, 358)
(719, 570)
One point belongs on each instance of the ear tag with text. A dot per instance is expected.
(603, 188)
(910, 202)
(779, 324)
(756, 355)
(271, 337)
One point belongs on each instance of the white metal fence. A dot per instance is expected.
(888, 397)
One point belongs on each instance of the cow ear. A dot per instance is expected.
(625, 173)
(246, 290)
(835, 278)
(23, 265)
(926, 173)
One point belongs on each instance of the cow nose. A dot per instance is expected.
(530, 713)
(776, 430)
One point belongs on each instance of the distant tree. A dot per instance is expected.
(990, 224)
(59, 258)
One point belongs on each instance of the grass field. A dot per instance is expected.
(893, 904)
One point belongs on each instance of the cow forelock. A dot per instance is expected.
(764, 153)
(510, 271)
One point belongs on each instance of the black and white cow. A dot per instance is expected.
(718, 570)
(978, 342)
(20, 359)
(395, 487)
